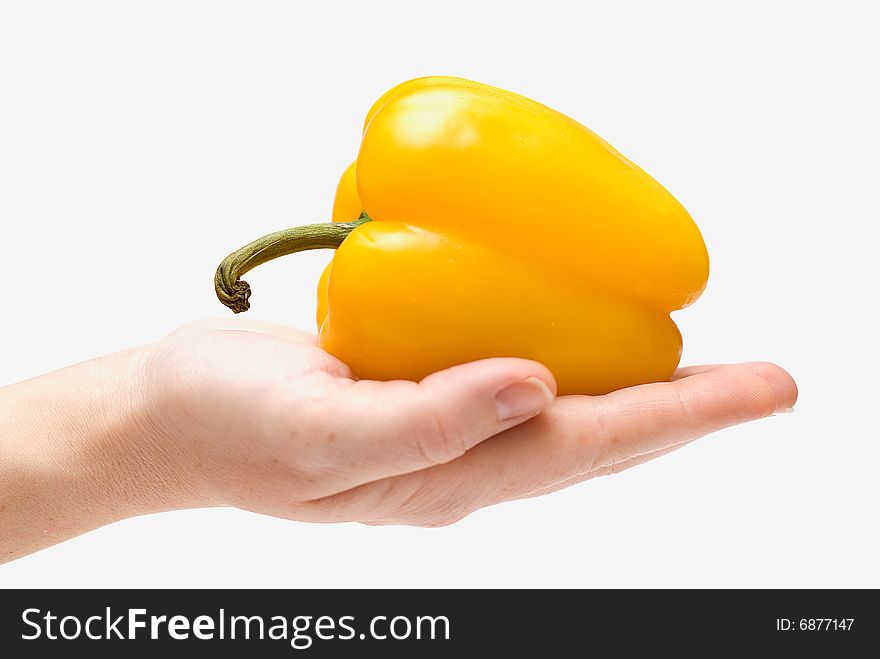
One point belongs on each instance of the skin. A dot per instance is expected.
(238, 413)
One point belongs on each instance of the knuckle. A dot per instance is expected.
(443, 513)
(439, 439)
(574, 443)
(424, 504)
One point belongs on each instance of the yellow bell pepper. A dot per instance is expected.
(478, 223)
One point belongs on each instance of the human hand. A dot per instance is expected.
(258, 417)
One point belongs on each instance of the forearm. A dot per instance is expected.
(77, 451)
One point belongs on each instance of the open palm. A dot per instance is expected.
(271, 423)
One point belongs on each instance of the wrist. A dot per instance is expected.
(146, 465)
(92, 433)
(76, 453)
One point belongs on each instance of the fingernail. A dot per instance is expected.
(527, 397)
(787, 410)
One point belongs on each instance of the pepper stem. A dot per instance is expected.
(234, 293)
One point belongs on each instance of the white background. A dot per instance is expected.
(142, 141)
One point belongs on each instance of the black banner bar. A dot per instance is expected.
(317, 623)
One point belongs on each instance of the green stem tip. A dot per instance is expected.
(235, 293)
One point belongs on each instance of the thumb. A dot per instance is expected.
(475, 401)
(390, 428)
